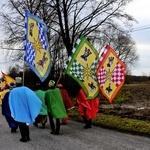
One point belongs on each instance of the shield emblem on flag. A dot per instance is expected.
(110, 73)
(37, 53)
(82, 65)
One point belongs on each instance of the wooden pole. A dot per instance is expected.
(58, 79)
(23, 76)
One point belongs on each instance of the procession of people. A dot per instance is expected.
(22, 107)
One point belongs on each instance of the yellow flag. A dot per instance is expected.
(37, 54)
(82, 65)
(8, 79)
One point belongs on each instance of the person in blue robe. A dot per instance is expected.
(24, 107)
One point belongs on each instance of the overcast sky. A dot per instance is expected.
(140, 10)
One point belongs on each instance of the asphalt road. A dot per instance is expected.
(73, 137)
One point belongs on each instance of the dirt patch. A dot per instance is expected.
(136, 103)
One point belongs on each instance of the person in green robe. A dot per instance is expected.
(42, 117)
(55, 107)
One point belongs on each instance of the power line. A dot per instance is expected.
(141, 28)
(5, 62)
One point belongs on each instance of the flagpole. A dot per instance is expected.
(59, 79)
(23, 73)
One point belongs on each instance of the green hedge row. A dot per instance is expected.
(132, 126)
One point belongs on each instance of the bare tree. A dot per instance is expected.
(76, 18)
(66, 20)
(121, 42)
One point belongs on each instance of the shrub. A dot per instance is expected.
(133, 126)
(123, 96)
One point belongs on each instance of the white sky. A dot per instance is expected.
(140, 10)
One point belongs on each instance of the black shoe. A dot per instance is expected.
(43, 125)
(53, 132)
(23, 140)
(28, 138)
(35, 124)
(13, 130)
(63, 123)
(56, 133)
(86, 127)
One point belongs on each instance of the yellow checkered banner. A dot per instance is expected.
(37, 53)
(82, 65)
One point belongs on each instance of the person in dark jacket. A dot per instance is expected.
(6, 110)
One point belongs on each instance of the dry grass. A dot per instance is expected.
(120, 115)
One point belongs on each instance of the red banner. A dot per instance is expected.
(110, 73)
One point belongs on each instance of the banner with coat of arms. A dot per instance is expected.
(8, 79)
(37, 53)
(110, 73)
(82, 65)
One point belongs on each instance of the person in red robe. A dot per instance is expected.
(88, 108)
(67, 102)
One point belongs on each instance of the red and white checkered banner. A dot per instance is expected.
(110, 73)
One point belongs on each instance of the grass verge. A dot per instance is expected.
(132, 126)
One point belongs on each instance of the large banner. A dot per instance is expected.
(37, 53)
(8, 79)
(82, 65)
(110, 73)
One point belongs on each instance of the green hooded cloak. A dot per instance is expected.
(54, 103)
(41, 95)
